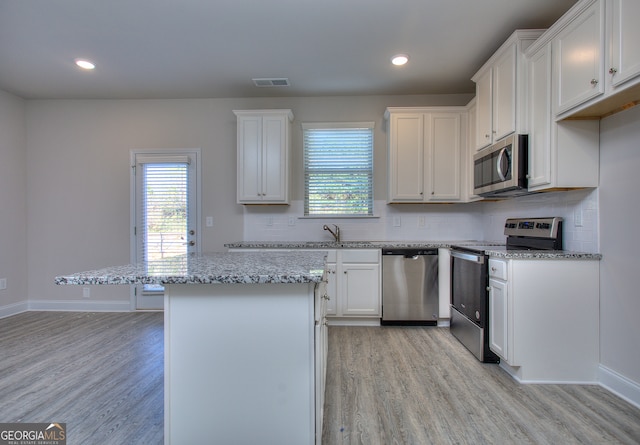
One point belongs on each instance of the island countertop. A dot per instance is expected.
(211, 268)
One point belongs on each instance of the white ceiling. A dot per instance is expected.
(213, 48)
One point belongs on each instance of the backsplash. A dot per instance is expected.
(433, 222)
(572, 206)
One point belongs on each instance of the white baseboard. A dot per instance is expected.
(619, 385)
(80, 306)
(13, 309)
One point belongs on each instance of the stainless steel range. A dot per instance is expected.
(470, 275)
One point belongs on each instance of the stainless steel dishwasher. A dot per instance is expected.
(410, 287)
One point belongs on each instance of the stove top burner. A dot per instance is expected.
(527, 234)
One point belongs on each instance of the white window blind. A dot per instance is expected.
(338, 169)
(163, 225)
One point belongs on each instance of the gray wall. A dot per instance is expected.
(13, 202)
(620, 243)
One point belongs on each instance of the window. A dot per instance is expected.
(338, 169)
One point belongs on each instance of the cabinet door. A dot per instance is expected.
(625, 39)
(483, 111)
(540, 117)
(498, 318)
(443, 148)
(249, 158)
(504, 94)
(406, 158)
(274, 159)
(360, 289)
(579, 57)
(332, 289)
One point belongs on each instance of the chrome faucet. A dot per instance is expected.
(336, 234)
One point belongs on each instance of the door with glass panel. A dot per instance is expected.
(164, 214)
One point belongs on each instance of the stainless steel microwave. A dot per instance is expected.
(501, 169)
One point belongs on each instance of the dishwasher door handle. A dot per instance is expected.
(468, 256)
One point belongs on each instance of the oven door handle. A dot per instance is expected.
(468, 256)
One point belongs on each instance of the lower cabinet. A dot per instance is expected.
(544, 318)
(321, 343)
(353, 284)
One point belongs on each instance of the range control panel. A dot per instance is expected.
(532, 227)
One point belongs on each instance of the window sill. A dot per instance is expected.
(332, 216)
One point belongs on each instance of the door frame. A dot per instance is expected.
(197, 217)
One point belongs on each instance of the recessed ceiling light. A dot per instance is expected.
(400, 59)
(85, 64)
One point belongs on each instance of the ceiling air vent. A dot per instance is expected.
(271, 82)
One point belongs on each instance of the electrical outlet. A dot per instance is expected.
(420, 221)
(292, 220)
(270, 220)
(397, 222)
(86, 292)
(209, 221)
(3, 283)
(577, 218)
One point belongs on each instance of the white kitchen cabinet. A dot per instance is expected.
(263, 145)
(500, 90)
(596, 58)
(424, 154)
(579, 58)
(484, 106)
(320, 351)
(544, 318)
(562, 154)
(498, 318)
(540, 121)
(624, 32)
(354, 286)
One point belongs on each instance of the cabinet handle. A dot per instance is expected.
(487, 136)
(488, 288)
(612, 70)
(493, 269)
(594, 82)
(345, 272)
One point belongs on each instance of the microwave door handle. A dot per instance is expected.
(499, 165)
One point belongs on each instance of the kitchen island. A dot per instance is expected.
(245, 344)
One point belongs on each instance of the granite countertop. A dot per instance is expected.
(499, 252)
(543, 255)
(211, 268)
(347, 244)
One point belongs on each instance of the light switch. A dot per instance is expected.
(3, 283)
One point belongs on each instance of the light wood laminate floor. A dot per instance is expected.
(419, 385)
(102, 374)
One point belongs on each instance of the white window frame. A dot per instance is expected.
(336, 126)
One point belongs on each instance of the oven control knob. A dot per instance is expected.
(477, 315)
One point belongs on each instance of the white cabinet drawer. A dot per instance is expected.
(360, 255)
(498, 269)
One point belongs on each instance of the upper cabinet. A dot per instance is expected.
(579, 58)
(562, 154)
(425, 148)
(596, 58)
(501, 90)
(264, 138)
(625, 41)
